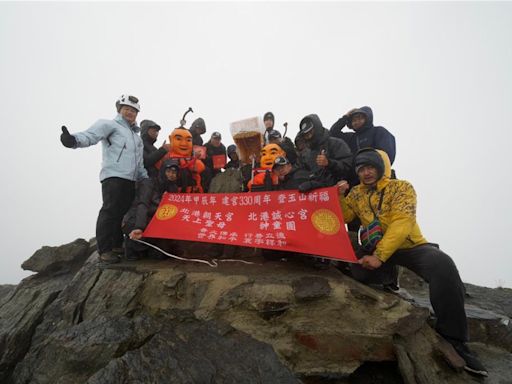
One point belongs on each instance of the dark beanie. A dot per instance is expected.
(231, 148)
(268, 116)
(369, 156)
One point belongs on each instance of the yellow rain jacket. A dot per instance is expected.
(397, 215)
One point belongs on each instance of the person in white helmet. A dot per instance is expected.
(122, 167)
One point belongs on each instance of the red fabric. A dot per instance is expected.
(283, 220)
(219, 161)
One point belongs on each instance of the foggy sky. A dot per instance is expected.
(437, 75)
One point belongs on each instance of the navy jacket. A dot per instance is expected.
(367, 136)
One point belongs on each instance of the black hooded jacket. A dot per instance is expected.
(147, 199)
(151, 154)
(367, 136)
(337, 152)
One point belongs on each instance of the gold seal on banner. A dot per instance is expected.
(166, 212)
(325, 221)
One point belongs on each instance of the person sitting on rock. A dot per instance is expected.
(147, 200)
(391, 236)
(289, 176)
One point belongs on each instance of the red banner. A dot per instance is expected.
(309, 223)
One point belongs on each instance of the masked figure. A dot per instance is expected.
(190, 167)
(263, 179)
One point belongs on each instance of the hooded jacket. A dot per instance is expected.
(397, 215)
(148, 196)
(122, 148)
(151, 154)
(337, 152)
(366, 136)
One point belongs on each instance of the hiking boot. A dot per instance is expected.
(400, 292)
(473, 365)
(118, 250)
(109, 257)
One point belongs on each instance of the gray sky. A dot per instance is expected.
(437, 75)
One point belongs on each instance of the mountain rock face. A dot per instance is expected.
(248, 321)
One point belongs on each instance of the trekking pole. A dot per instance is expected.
(183, 121)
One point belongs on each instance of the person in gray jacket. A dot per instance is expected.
(122, 166)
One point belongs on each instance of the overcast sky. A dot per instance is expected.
(437, 75)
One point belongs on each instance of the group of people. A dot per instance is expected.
(357, 161)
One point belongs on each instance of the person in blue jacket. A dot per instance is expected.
(122, 166)
(365, 134)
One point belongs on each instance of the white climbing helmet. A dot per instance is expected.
(129, 100)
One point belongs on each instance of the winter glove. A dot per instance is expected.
(67, 139)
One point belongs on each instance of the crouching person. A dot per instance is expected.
(387, 210)
(147, 200)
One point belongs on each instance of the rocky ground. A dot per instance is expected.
(166, 321)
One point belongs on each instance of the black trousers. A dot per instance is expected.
(117, 195)
(445, 286)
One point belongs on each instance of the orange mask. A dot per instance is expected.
(181, 142)
(268, 154)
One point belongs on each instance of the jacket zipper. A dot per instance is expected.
(120, 153)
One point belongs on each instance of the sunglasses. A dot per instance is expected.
(280, 160)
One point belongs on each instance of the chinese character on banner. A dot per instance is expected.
(309, 223)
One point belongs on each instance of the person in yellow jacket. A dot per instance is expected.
(391, 236)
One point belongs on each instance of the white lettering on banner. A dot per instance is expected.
(209, 223)
(229, 216)
(290, 225)
(218, 215)
(202, 233)
(291, 198)
(266, 199)
(233, 236)
(185, 218)
(264, 225)
(221, 225)
(212, 235)
(253, 216)
(276, 215)
(234, 200)
(276, 225)
(281, 199)
(184, 211)
(225, 200)
(207, 215)
(324, 196)
(197, 221)
(213, 200)
(303, 214)
(289, 215)
(195, 213)
(257, 200)
(313, 197)
(223, 235)
(196, 199)
(188, 199)
(303, 197)
(264, 216)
